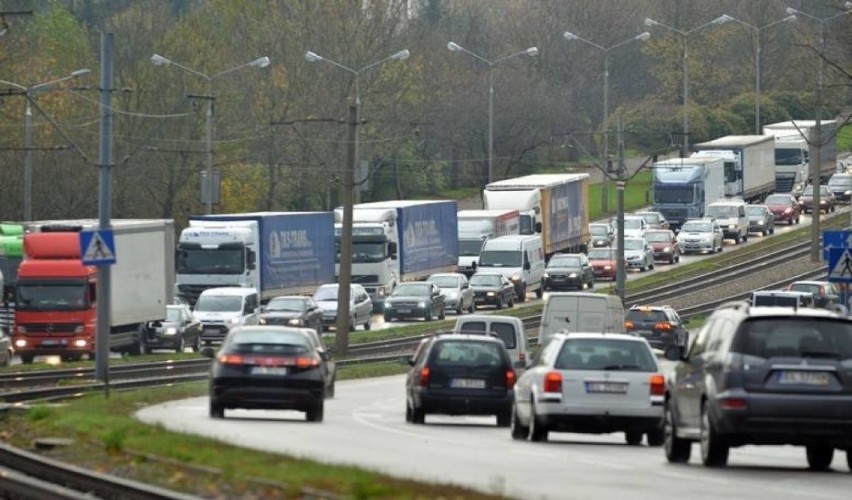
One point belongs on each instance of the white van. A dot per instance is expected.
(520, 258)
(220, 309)
(583, 312)
(730, 213)
(509, 329)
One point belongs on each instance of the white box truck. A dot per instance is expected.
(749, 164)
(478, 226)
(796, 142)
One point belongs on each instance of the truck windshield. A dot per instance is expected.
(210, 261)
(500, 258)
(52, 296)
(673, 194)
(470, 248)
(788, 156)
(526, 226)
(367, 252)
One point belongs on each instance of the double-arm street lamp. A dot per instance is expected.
(816, 161)
(492, 64)
(757, 31)
(207, 178)
(347, 190)
(684, 35)
(605, 124)
(29, 94)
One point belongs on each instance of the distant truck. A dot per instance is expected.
(749, 164)
(400, 240)
(554, 205)
(276, 253)
(11, 255)
(478, 226)
(796, 143)
(56, 302)
(684, 187)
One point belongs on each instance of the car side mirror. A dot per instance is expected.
(411, 361)
(675, 353)
(527, 266)
(208, 352)
(325, 355)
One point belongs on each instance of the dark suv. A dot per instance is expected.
(660, 325)
(762, 375)
(457, 374)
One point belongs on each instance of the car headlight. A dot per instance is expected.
(847, 193)
(788, 210)
(732, 226)
(422, 303)
(607, 268)
(380, 292)
(80, 343)
(388, 304)
(261, 321)
(295, 322)
(667, 249)
(170, 331)
(454, 294)
(234, 321)
(572, 275)
(823, 202)
(760, 222)
(546, 275)
(516, 277)
(490, 294)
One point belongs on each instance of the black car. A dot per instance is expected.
(420, 299)
(760, 219)
(457, 374)
(602, 235)
(492, 289)
(179, 330)
(569, 271)
(659, 325)
(764, 376)
(293, 310)
(269, 368)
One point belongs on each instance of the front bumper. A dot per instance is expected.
(483, 299)
(757, 227)
(601, 273)
(696, 246)
(405, 311)
(661, 255)
(558, 281)
(214, 332)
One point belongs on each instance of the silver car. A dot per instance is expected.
(458, 296)
(638, 254)
(700, 235)
(591, 383)
(360, 306)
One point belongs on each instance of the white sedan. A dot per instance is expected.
(591, 383)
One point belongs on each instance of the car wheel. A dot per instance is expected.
(520, 432)
(745, 238)
(316, 413)
(27, 359)
(538, 429)
(216, 410)
(714, 450)
(443, 314)
(511, 302)
(459, 309)
(369, 323)
(408, 413)
(633, 438)
(500, 303)
(196, 346)
(677, 449)
(819, 457)
(181, 346)
(539, 292)
(849, 459)
(388, 318)
(428, 316)
(504, 419)
(522, 297)
(418, 416)
(329, 392)
(643, 268)
(656, 437)
(472, 307)
(651, 265)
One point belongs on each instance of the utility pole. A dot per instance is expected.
(620, 267)
(104, 208)
(341, 339)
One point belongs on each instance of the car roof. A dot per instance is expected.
(229, 290)
(810, 282)
(598, 336)
(637, 307)
(488, 317)
(452, 275)
(302, 297)
(769, 311)
(467, 336)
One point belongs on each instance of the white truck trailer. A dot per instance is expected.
(796, 142)
(749, 164)
(478, 226)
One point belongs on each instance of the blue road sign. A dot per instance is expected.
(97, 247)
(840, 265)
(835, 239)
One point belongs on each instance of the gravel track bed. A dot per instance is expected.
(748, 283)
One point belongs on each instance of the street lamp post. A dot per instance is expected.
(347, 190)
(816, 161)
(757, 53)
(29, 94)
(684, 35)
(492, 64)
(604, 125)
(207, 180)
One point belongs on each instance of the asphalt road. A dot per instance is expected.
(365, 425)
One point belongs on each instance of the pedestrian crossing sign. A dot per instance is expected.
(840, 265)
(97, 247)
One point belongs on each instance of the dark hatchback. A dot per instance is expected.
(457, 374)
(270, 368)
(420, 299)
(292, 310)
(661, 326)
(492, 289)
(179, 330)
(568, 271)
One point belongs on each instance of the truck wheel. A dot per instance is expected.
(522, 297)
(27, 359)
(181, 346)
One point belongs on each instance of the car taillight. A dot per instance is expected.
(308, 362)
(232, 359)
(629, 325)
(733, 404)
(510, 378)
(658, 385)
(553, 382)
(424, 377)
(664, 326)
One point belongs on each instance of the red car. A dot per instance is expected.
(603, 261)
(665, 245)
(784, 207)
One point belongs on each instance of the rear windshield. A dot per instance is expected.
(504, 331)
(778, 300)
(795, 337)
(267, 342)
(651, 316)
(605, 354)
(807, 287)
(467, 353)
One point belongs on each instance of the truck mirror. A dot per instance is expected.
(538, 227)
(252, 259)
(526, 266)
(473, 265)
(392, 249)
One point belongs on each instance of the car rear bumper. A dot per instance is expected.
(601, 422)
(465, 403)
(249, 396)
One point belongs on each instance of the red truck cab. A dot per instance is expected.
(55, 307)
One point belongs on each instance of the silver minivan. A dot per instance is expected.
(507, 328)
(581, 312)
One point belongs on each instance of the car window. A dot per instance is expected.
(564, 261)
(506, 333)
(795, 337)
(651, 316)
(778, 200)
(806, 287)
(485, 280)
(605, 354)
(473, 327)
(700, 343)
(293, 304)
(466, 353)
(267, 342)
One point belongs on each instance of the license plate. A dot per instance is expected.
(211, 330)
(606, 387)
(803, 378)
(50, 342)
(467, 383)
(403, 311)
(269, 370)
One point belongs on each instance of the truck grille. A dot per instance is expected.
(784, 183)
(365, 278)
(51, 327)
(675, 214)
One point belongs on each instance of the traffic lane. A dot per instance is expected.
(365, 426)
